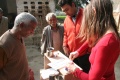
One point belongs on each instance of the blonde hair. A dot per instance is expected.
(97, 19)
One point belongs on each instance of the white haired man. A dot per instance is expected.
(3, 23)
(52, 35)
(13, 61)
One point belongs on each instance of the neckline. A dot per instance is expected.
(20, 40)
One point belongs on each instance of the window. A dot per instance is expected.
(25, 10)
(32, 7)
(39, 2)
(39, 7)
(39, 11)
(32, 2)
(25, 2)
(26, 7)
(46, 2)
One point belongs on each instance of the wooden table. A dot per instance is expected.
(61, 70)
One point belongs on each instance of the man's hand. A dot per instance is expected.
(73, 55)
(31, 74)
(66, 51)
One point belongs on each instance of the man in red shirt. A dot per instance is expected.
(72, 25)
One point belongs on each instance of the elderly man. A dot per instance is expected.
(13, 61)
(52, 34)
(3, 23)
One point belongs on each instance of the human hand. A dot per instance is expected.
(71, 67)
(66, 51)
(73, 55)
(31, 74)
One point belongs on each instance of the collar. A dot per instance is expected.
(74, 16)
(54, 28)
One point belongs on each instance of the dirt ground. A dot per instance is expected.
(35, 61)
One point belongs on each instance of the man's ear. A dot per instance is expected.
(21, 24)
(73, 4)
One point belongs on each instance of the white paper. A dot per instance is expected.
(58, 64)
(46, 72)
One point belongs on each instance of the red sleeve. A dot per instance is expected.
(65, 36)
(101, 63)
(82, 50)
(80, 74)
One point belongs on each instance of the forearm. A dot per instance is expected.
(80, 74)
(83, 49)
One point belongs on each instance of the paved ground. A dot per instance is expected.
(36, 62)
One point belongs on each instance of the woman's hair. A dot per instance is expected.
(97, 19)
(87, 21)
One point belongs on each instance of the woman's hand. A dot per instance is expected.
(73, 55)
(71, 67)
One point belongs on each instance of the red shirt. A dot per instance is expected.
(71, 30)
(102, 58)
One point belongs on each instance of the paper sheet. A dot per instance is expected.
(58, 64)
(46, 72)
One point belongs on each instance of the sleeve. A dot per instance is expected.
(43, 42)
(65, 40)
(83, 48)
(103, 55)
(80, 74)
(3, 58)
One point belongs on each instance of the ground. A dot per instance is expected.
(36, 62)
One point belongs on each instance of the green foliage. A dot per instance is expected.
(61, 17)
(56, 5)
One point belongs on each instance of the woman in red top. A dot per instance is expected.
(100, 30)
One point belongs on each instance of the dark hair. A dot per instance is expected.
(63, 2)
(1, 11)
